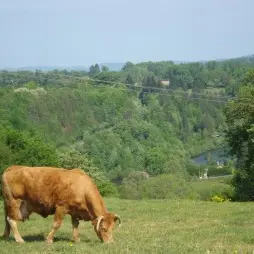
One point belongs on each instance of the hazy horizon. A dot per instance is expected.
(79, 33)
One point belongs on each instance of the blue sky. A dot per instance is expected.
(67, 33)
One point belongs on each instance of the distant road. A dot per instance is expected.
(212, 177)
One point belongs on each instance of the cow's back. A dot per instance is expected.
(46, 185)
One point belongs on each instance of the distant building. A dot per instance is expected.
(165, 82)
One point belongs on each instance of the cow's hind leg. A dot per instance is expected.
(7, 229)
(13, 215)
(75, 233)
(58, 219)
(7, 225)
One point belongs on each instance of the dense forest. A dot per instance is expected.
(147, 120)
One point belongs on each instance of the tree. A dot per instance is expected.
(104, 69)
(105, 77)
(73, 159)
(94, 70)
(129, 80)
(240, 138)
(31, 85)
(29, 150)
(128, 66)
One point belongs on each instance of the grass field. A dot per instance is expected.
(154, 226)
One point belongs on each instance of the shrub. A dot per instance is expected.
(210, 188)
(213, 170)
(74, 159)
(165, 186)
(28, 149)
(218, 198)
(130, 188)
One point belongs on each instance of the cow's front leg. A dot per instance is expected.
(58, 219)
(75, 233)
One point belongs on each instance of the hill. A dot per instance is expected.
(121, 122)
(248, 59)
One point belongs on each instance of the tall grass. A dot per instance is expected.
(154, 226)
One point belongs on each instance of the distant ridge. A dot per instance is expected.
(113, 66)
(47, 68)
(248, 59)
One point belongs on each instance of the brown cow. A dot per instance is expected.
(48, 190)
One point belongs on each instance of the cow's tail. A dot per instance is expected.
(7, 195)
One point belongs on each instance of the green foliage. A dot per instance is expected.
(112, 126)
(107, 76)
(121, 128)
(6, 155)
(94, 70)
(28, 149)
(213, 169)
(129, 80)
(248, 78)
(31, 85)
(165, 186)
(128, 66)
(74, 159)
(130, 187)
(208, 188)
(239, 136)
(24, 149)
(104, 69)
(219, 198)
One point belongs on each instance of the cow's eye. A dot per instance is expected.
(104, 230)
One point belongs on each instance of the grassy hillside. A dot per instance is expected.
(161, 226)
(119, 128)
(112, 126)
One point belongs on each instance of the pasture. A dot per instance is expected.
(152, 226)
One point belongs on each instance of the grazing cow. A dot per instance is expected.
(47, 191)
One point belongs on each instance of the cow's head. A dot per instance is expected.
(104, 226)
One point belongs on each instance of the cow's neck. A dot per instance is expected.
(97, 209)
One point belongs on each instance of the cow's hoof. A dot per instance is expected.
(20, 241)
(76, 240)
(49, 241)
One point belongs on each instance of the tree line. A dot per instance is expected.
(63, 118)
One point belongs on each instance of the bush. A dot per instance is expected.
(210, 188)
(165, 186)
(218, 198)
(213, 170)
(107, 188)
(130, 188)
(74, 159)
(27, 149)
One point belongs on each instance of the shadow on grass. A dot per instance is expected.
(27, 238)
(42, 238)
(34, 238)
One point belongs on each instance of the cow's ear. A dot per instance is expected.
(117, 217)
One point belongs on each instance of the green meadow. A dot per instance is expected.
(149, 226)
